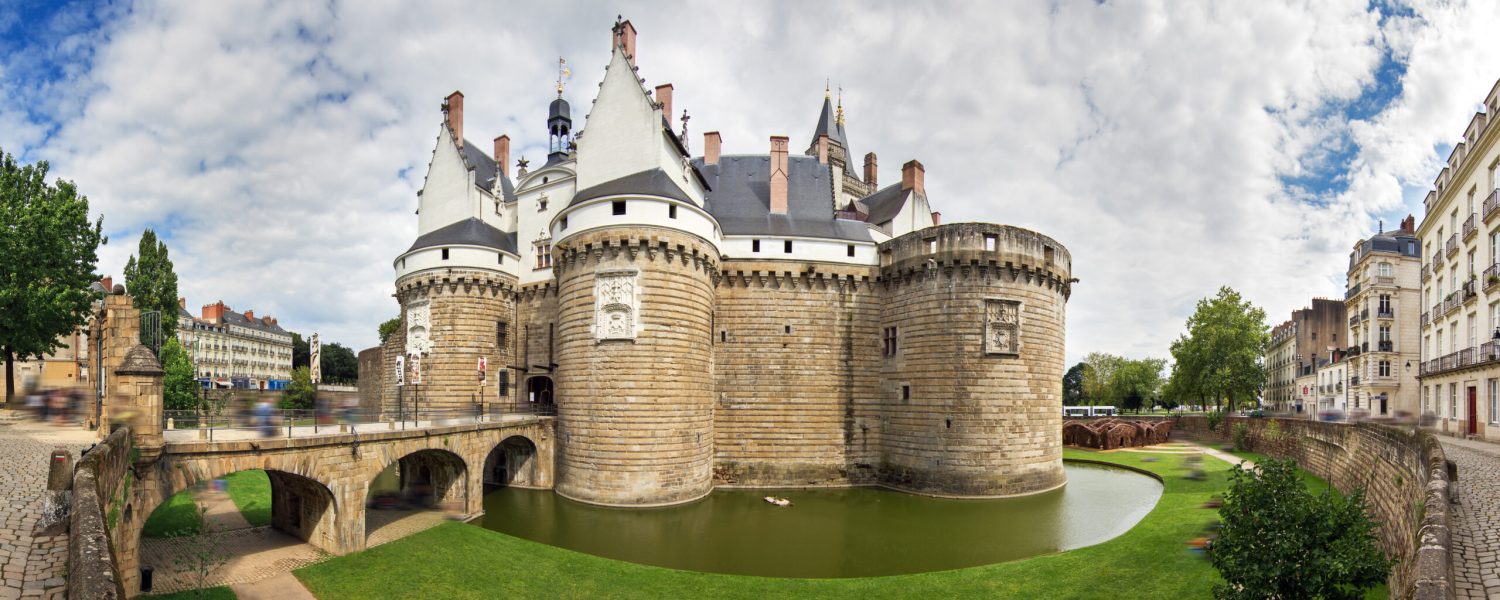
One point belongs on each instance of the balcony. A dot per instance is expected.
(1426, 273)
(1385, 313)
(1353, 291)
(1354, 320)
(1452, 246)
(1469, 291)
(1437, 261)
(1384, 281)
(1353, 381)
(1491, 277)
(1469, 227)
(1426, 319)
(1491, 205)
(1387, 346)
(1364, 315)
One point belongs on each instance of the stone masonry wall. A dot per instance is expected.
(1404, 475)
(636, 416)
(99, 485)
(535, 335)
(466, 309)
(966, 412)
(796, 354)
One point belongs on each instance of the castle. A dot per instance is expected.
(753, 320)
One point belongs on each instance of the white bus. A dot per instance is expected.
(1088, 411)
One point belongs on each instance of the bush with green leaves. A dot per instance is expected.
(1278, 540)
(179, 386)
(1240, 434)
(1214, 418)
(300, 393)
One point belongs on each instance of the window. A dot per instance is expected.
(1385, 368)
(1453, 401)
(850, 250)
(541, 203)
(504, 383)
(618, 206)
(671, 211)
(890, 341)
(1385, 333)
(990, 241)
(562, 223)
(1384, 270)
(543, 255)
(723, 336)
(906, 392)
(755, 245)
(502, 331)
(499, 258)
(932, 245)
(786, 246)
(788, 329)
(1314, 336)
(1385, 303)
(445, 254)
(1494, 401)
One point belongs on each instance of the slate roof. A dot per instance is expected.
(234, 318)
(468, 232)
(828, 124)
(740, 199)
(485, 171)
(651, 182)
(885, 204)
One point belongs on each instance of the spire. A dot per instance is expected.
(840, 118)
(562, 74)
(828, 124)
(559, 118)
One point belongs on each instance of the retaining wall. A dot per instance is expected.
(1403, 471)
(99, 488)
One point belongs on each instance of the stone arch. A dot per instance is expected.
(431, 475)
(515, 461)
(540, 391)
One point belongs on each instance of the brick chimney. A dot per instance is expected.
(823, 148)
(711, 144)
(870, 170)
(1409, 224)
(453, 109)
(623, 35)
(778, 174)
(937, 218)
(182, 302)
(214, 312)
(502, 155)
(250, 315)
(664, 97)
(109, 284)
(911, 177)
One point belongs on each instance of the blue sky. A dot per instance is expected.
(277, 146)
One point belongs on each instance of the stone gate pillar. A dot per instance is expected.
(136, 397)
(117, 328)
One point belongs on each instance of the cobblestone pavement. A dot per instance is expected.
(257, 554)
(33, 563)
(1476, 518)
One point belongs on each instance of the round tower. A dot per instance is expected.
(973, 320)
(635, 376)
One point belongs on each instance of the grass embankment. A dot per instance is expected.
(250, 490)
(456, 560)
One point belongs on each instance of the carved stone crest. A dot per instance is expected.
(418, 327)
(616, 305)
(1002, 327)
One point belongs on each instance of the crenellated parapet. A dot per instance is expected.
(456, 281)
(809, 276)
(977, 250)
(635, 243)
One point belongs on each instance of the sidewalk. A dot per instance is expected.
(33, 560)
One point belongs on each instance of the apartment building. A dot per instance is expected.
(1460, 322)
(236, 350)
(1383, 302)
(1296, 344)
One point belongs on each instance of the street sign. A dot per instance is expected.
(315, 358)
(483, 366)
(400, 370)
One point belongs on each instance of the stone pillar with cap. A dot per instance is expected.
(135, 398)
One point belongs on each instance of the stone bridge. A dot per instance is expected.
(320, 485)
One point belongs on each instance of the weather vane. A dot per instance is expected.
(840, 118)
(562, 74)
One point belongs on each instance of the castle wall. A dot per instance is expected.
(796, 357)
(536, 335)
(465, 306)
(636, 409)
(973, 394)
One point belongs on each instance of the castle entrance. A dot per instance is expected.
(539, 392)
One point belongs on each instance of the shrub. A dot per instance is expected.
(1271, 432)
(1214, 418)
(1278, 540)
(1241, 436)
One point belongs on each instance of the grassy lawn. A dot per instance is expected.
(456, 560)
(251, 492)
(177, 516)
(213, 593)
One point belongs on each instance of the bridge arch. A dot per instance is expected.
(515, 461)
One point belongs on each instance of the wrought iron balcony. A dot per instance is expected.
(1353, 291)
(1491, 277)
(1425, 319)
(1426, 273)
(1364, 314)
(1437, 261)
(1387, 346)
(1354, 320)
(1452, 245)
(1385, 314)
(1491, 205)
(1469, 227)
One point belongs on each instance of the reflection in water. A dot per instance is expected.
(850, 532)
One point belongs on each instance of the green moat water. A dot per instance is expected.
(849, 532)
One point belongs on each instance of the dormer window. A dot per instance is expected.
(541, 203)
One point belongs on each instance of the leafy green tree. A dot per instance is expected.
(48, 252)
(1280, 541)
(180, 384)
(1098, 378)
(1220, 355)
(389, 327)
(1137, 381)
(300, 393)
(339, 364)
(301, 354)
(152, 283)
(1073, 385)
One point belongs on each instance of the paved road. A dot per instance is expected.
(1476, 518)
(32, 562)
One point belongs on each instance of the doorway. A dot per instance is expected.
(1473, 410)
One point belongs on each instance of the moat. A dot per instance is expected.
(843, 532)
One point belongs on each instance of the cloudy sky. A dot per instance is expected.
(1173, 147)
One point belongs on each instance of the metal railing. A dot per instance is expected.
(1426, 273)
(1385, 314)
(1452, 246)
(1491, 204)
(1425, 318)
(1353, 291)
(1469, 227)
(251, 422)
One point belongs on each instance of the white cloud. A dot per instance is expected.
(279, 145)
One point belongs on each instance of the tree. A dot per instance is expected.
(48, 252)
(389, 327)
(1277, 540)
(301, 354)
(300, 393)
(1073, 385)
(180, 384)
(152, 283)
(339, 364)
(1220, 355)
(1137, 381)
(1098, 378)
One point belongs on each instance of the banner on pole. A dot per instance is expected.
(400, 370)
(484, 365)
(315, 358)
